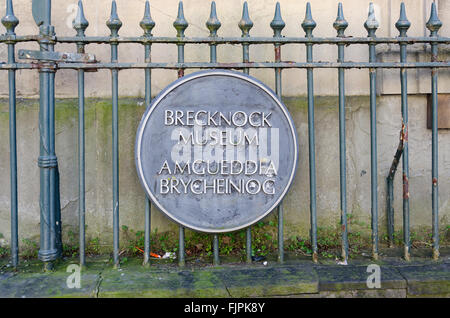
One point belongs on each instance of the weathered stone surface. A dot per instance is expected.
(46, 285)
(217, 282)
(337, 278)
(365, 293)
(29, 280)
(302, 279)
(270, 281)
(129, 283)
(428, 279)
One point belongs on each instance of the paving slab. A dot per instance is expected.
(46, 285)
(30, 281)
(296, 278)
(129, 282)
(270, 281)
(349, 277)
(425, 280)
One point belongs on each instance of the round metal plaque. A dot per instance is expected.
(216, 151)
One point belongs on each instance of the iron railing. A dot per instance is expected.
(49, 62)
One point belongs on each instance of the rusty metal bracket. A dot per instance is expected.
(57, 56)
(45, 58)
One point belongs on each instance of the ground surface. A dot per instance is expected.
(297, 277)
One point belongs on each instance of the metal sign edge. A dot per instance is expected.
(181, 81)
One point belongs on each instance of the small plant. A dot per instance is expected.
(93, 246)
(298, 244)
(134, 241)
(71, 246)
(4, 252)
(29, 248)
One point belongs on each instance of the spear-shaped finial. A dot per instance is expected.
(371, 23)
(80, 23)
(277, 23)
(147, 23)
(114, 23)
(434, 24)
(308, 23)
(245, 24)
(213, 24)
(340, 24)
(9, 20)
(402, 24)
(180, 23)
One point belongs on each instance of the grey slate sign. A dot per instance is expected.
(216, 151)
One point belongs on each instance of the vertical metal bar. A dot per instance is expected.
(434, 155)
(114, 24)
(248, 244)
(213, 24)
(342, 157)
(45, 246)
(13, 158)
(402, 25)
(147, 24)
(340, 25)
(181, 250)
(245, 54)
(216, 249)
(148, 227)
(405, 157)
(312, 156)
(280, 234)
(10, 22)
(50, 243)
(80, 24)
(180, 25)
(48, 12)
(308, 25)
(245, 24)
(55, 212)
(249, 229)
(81, 166)
(434, 24)
(115, 151)
(148, 217)
(278, 25)
(371, 25)
(390, 210)
(373, 152)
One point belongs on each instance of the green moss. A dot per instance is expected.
(325, 102)
(296, 103)
(66, 110)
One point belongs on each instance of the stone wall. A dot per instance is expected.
(132, 202)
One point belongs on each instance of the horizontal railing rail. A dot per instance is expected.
(206, 65)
